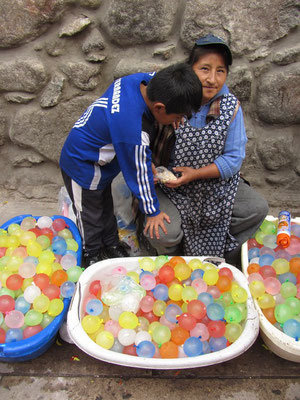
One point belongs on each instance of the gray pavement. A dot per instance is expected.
(65, 372)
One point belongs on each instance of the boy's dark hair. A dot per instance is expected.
(198, 51)
(178, 88)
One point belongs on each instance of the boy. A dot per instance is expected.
(113, 135)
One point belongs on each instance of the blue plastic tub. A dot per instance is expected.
(36, 345)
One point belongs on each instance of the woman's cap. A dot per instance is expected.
(211, 39)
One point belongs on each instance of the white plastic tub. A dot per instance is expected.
(278, 342)
(82, 340)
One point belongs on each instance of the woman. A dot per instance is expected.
(212, 210)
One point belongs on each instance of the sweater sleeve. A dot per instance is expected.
(230, 162)
(135, 163)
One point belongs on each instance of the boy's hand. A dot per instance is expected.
(153, 224)
(188, 174)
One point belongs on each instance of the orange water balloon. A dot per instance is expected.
(253, 267)
(168, 350)
(175, 260)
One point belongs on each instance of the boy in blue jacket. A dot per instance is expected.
(113, 135)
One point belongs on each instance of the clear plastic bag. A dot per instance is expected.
(124, 286)
(65, 204)
(164, 175)
(122, 198)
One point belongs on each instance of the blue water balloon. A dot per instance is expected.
(161, 292)
(59, 246)
(287, 277)
(291, 327)
(94, 307)
(67, 289)
(143, 273)
(206, 298)
(197, 273)
(266, 259)
(13, 335)
(172, 312)
(215, 312)
(217, 344)
(145, 349)
(193, 347)
(22, 305)
(206, 347)
(117, 346)
(253, 252)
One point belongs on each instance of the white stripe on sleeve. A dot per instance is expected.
(142, 179)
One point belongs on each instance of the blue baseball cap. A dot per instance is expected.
(211, 39)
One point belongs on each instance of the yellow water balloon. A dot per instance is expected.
(195, 263)
(175, 292)
(211, 276)
(55, 307)
(128, 320)
(91, 323)
(105, 339)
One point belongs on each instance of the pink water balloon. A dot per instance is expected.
(7, 303)
(214, 291)
(31, 331)
(59, 224)
(272, 285)
(148, 282)
(146, 303)
(113, 327)
(255, 277)
(199, 285)
(119, 270)
(14, 319)
(200, 331)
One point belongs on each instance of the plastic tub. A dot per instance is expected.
(278, 342)
(36, 345)
(82, 340)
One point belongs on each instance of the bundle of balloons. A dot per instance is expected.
(38, 269)
(274, 277)
(167, 308)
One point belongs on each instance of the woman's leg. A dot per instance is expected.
(249, 211)
(168, 244)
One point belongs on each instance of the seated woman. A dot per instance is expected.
(212, 210)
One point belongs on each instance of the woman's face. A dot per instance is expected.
(211, 70)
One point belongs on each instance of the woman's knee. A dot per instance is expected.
(173, 236)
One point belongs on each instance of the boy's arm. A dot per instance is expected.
(136, 165)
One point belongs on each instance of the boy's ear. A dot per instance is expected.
(159, 107)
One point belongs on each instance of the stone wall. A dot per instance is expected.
(57, 56)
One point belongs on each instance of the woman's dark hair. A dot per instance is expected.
(177, 87)
(199, 51)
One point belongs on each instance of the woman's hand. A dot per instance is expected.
(188, 174)
(153, 224)
(177, 124)
(154, 172)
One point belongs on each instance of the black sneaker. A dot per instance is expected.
(89, 260)
(121, 250)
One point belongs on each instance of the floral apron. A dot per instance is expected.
(205, 205)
